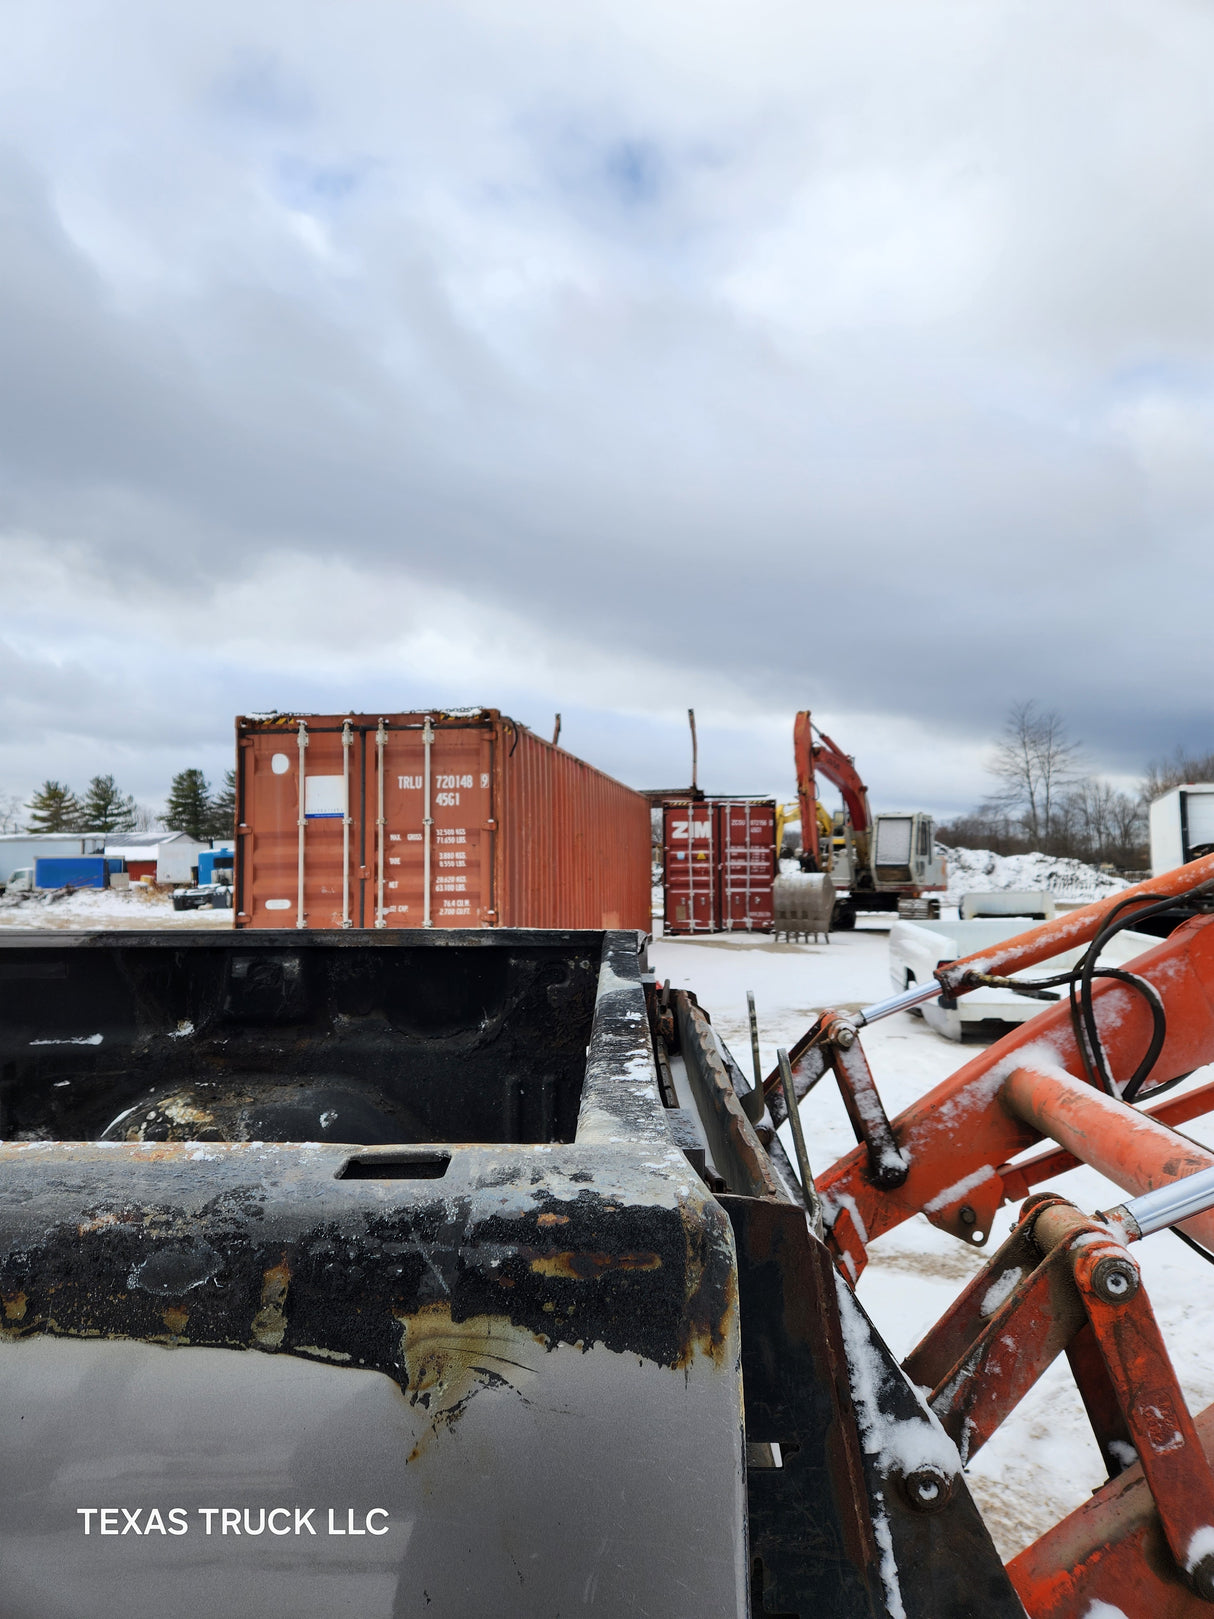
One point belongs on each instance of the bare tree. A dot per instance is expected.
(1163, 774)
(1035, 763)
(11, 805)
(1130, 828)
(1097, 822)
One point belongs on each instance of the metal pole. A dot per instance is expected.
(427, 823)
(301, 920)
(381, 737)
(691, 720)
(347, 742)
(813, 1203)
(754, 1038)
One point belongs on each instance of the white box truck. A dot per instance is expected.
(1181, 826)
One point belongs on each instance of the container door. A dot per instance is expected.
(294, 851)
(746, 837)
(691, 881)
(440, 874)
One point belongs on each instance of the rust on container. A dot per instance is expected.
(746, 837)
(430, 820)
(691, 883)
(719, 857)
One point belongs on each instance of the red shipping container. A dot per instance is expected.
(440, 820)
(692, 879)
(720, 863)
(746, 840)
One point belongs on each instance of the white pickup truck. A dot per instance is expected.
(916, 949)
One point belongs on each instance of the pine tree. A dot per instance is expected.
(106, 809)
(221, 819)
(189, 804)
(54, 808)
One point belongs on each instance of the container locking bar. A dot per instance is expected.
(301, 916)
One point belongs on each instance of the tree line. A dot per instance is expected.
(192, 807)
(1043, 800)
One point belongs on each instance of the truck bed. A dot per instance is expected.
(917, 948)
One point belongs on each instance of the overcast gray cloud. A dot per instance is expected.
(607, 359)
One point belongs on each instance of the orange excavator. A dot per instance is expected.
(877, 860)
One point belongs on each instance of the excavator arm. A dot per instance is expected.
(815, 752)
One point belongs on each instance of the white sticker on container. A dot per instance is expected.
(280, 764)
(324, 798)
(278, 905)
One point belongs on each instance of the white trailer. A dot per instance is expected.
(1181, 826)
(20, 850)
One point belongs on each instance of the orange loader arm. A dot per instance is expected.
(1063, 1281)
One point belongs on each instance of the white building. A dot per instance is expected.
(167, 857)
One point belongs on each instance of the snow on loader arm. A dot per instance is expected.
(1064, 1281)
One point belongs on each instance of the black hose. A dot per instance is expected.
(1189, 1243)
(1083, 1013)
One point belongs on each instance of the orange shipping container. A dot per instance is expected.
(441, 820)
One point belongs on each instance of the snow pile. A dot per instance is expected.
(95, 904)
(85, 908)
(979, 871)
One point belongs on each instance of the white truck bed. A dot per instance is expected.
(917, 948)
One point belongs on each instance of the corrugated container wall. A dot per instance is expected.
(720, 864)
(746, 837)
(692, 883)
(446, 820)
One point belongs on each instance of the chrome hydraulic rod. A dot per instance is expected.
(914, 996)
(1168, 1205)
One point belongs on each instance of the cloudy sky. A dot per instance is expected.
(609, 358)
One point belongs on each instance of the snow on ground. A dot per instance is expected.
(979, 871)
(1043, 1462)
(86, 908)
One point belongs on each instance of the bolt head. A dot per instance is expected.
(1115, 1279)
(927, 1488)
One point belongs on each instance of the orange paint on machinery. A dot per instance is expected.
(431, 820)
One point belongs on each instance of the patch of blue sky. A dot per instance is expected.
(260, 89)
(642, 191)
(634, 172)
(1185, 377)
(315, 187)
(593, 168)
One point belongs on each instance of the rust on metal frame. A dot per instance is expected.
(958, 1135)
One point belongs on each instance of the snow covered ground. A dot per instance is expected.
(979, 871)
(1043, 1462)
(87, 908)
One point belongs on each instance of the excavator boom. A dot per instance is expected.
(816, 753)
